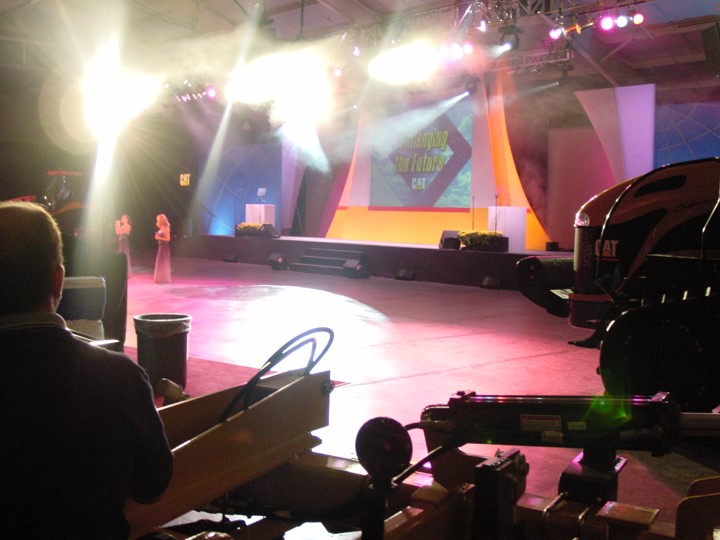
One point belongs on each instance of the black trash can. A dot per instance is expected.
(162, 340)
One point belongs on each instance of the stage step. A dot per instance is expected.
(322, 261)
(332, 262)
(317, 269)
(337, 253)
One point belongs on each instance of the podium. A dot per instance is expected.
(512, 222)
(260, 213)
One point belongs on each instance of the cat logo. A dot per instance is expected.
(609, 249)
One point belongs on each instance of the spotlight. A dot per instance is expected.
(505, 47)
(556, 32)
(622, 21)
(483, 26)
(456, 51)
(636, 17)
(509, 37)
(607, 22)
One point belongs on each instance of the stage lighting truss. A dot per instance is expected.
(482, 14)
(557, 58)
(188, 91)
(470, 18)
(562, 26)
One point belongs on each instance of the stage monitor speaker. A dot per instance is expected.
(269, 229)
(449, 240)
(355, 268)
(711, 45)
(277, 261)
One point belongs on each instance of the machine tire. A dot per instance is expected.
(670, 347)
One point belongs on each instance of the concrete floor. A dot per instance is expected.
(400, 346)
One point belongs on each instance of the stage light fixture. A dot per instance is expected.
(557, 32)
(471, 87)
(607, 22)
(636, 17)
(189, 91)
(456, 51)
(621, 21)
(509, 37)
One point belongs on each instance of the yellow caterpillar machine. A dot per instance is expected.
(246, 453)
(644, 275)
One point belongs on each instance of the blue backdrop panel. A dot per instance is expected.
(239, 174)
(686, 131)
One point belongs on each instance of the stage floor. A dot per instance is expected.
(400, 346)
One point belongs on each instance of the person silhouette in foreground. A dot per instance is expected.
(80, 431)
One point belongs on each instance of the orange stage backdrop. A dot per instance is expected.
(354, 219)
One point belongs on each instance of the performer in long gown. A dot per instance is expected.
(123, 228)
(162, 261)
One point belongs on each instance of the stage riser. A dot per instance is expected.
(451, 266)
(318, 269)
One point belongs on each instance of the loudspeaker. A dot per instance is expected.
(354, 268)
(277, 261)
(269, 229)
(449, 240)
(711, 45)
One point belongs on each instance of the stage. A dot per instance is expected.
(388, 260)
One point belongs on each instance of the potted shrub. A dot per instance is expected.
(249, 229)
(483, 241)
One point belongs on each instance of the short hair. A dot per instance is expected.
(30, 251)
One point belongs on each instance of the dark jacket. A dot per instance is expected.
(79, 434)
